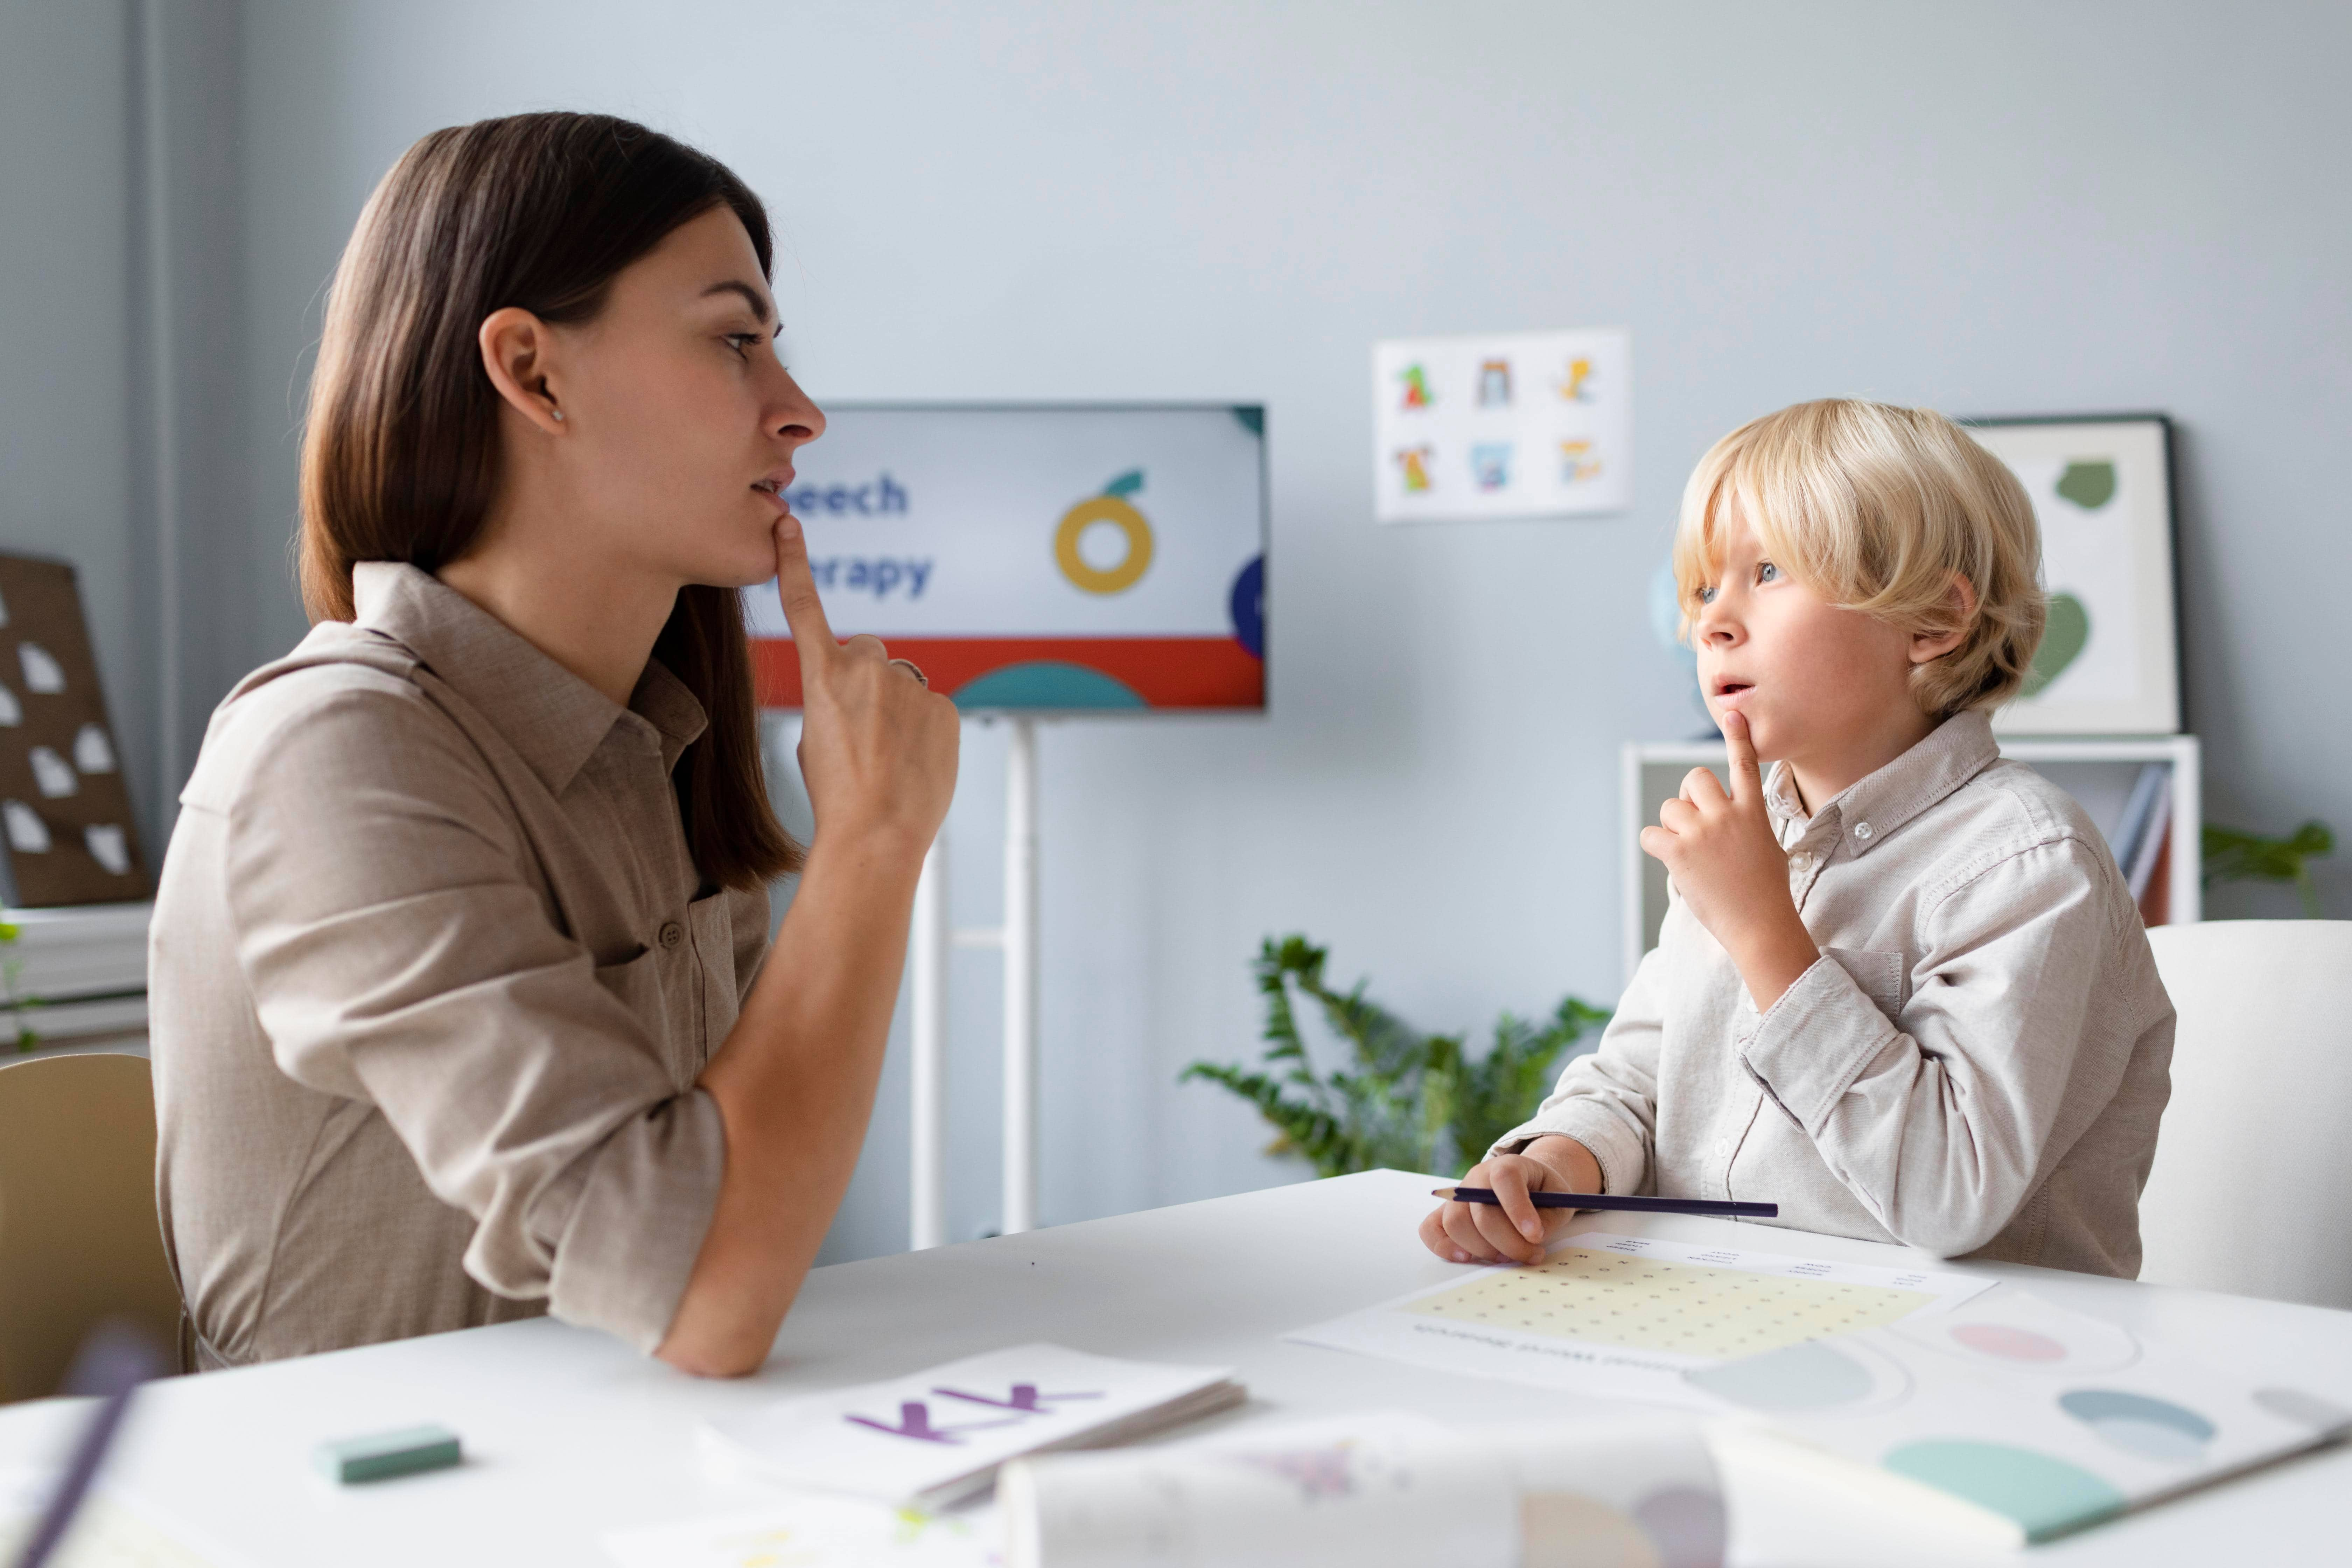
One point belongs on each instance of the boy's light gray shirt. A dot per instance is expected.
(1975, 1067)
(432, 978)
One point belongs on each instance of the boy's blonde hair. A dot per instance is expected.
(1875, 508)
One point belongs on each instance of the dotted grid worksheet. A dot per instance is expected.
(1650, 1303)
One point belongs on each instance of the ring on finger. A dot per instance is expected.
(914, 670)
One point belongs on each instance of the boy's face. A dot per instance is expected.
(1823, 688)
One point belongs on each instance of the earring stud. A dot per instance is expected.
(557, 412)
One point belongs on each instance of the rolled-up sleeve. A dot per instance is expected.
(399, 954)
(1938, 1125)
(1607, 1099)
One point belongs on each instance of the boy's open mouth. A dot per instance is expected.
(1728, 688)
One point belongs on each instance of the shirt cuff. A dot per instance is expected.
(638, 1223)
(1814, 1041)
(1622, 1152)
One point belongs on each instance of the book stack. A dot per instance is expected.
(2144, 839)
(72, 972)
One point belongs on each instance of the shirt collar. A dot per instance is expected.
(1874, 808)
(553, 718)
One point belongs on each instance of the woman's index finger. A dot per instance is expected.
(796, 591)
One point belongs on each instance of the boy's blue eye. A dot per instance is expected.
(1707, 595)
(1766, 572)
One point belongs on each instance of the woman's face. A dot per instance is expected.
(680, 421)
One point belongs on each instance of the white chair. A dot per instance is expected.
(2252, 1190)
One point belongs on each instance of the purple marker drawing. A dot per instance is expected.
(914, 1421)
(1025, 1398)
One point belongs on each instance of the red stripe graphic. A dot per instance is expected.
(1166, 672)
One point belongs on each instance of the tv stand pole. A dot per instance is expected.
(930, 940)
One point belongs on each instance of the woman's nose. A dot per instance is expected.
(799, 420)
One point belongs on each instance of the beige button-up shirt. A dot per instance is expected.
(1975, 1066)
(432, 976)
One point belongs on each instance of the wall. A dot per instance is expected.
(2008, 208)
(121, 354)
(67, 308)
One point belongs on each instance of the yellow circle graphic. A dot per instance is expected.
(1103, 509)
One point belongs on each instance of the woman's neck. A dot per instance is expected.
(596, 622)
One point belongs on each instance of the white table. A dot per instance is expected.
(570, 1435)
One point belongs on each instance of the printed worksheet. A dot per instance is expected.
(1625, 1316)
(816, 1532)
(107, 1533)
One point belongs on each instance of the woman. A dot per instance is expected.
(463, 1004)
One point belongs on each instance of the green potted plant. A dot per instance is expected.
(1405, 1099)
(2234, 854)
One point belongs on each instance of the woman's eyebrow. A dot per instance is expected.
(755, 297)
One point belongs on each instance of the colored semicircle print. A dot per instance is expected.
(1246, 604)
(2135, 1424)
(2008, 1342)
(2045, 1496)
(1048, 684)
(2304, 1409)
(1806, 1377)
(1686, 1525)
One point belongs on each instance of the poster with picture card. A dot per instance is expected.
(2101, 485)
(1503, 425)
(2030, 1419)
(65, 811)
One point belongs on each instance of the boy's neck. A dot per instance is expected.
(1827, 771)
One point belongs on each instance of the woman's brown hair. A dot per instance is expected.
(400, 453)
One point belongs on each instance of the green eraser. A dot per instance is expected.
(387, 1454)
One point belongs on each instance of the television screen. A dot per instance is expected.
(1101, 558)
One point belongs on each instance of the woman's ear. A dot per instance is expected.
(1960, 610)
(518, 353)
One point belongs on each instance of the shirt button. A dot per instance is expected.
(1800, 862)
(1861, 831)
(672, 933)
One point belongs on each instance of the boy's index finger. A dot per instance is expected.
(796, 591)
(1747, 777)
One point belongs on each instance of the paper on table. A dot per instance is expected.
(816, 1532)
(938, 1434)
(1383, 1489)
(1624, 1316)
(2042, 1419)
(106, 1533)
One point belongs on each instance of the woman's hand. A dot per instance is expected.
(794, 1081)
(1516, 1231)
(878, 747)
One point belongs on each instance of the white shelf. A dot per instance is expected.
(2184, 889)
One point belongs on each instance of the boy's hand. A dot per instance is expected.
(1515, 1232)
(1731, 871)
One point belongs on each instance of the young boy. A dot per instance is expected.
(1901, 990)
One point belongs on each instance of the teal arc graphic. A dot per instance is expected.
(2045, 1496)
(1046, 683)
(2135, 1424)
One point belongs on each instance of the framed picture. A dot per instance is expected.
(1510, 425)
(64, 816)
(2102, 490)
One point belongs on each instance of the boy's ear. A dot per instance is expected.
(1960, 612)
